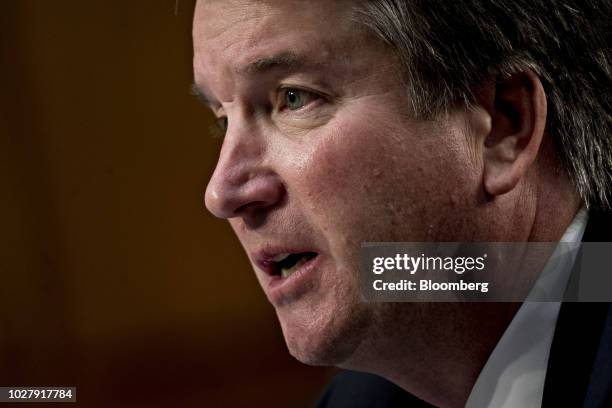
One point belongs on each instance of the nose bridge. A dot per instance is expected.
(239, 154)
(240, 177)
(242, 149)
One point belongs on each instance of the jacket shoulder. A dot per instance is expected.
(361, 390)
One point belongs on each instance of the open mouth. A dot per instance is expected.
(284, 265)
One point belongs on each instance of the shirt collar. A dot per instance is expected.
(514, 374)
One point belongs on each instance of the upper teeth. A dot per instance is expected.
(280, 257)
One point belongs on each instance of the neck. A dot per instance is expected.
(439, 359)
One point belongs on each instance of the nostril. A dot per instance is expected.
(254, 214)
(251, 207)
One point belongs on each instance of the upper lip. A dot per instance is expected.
(264, 259)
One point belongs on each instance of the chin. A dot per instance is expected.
(324, 334)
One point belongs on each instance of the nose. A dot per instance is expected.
(243, 184)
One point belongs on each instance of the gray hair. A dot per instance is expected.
(449, 47)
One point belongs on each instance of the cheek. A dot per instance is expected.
(368, 181)
(353, 175)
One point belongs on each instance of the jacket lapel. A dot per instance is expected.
(580, 364)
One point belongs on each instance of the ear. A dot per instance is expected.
(517, 107)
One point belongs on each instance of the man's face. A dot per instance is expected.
(320, 155)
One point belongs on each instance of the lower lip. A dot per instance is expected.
(281, 290)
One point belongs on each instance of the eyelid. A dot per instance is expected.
(218, 111)
(220, 114)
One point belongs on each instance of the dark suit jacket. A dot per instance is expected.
(579, 367)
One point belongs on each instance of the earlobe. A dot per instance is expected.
(518, 118)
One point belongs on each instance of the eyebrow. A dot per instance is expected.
(285, 60)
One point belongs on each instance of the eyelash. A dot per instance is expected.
(282, 92)
(219, 128)
(222, 122)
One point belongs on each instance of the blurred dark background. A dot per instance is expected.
(115, 279)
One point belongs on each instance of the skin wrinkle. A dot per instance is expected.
(368, 171)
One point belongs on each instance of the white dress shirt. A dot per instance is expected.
(513, 376)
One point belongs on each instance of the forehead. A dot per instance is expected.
(214, 18)
(236, 33)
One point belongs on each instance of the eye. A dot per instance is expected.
(294, 99)
(219, 127)
(222, 122)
